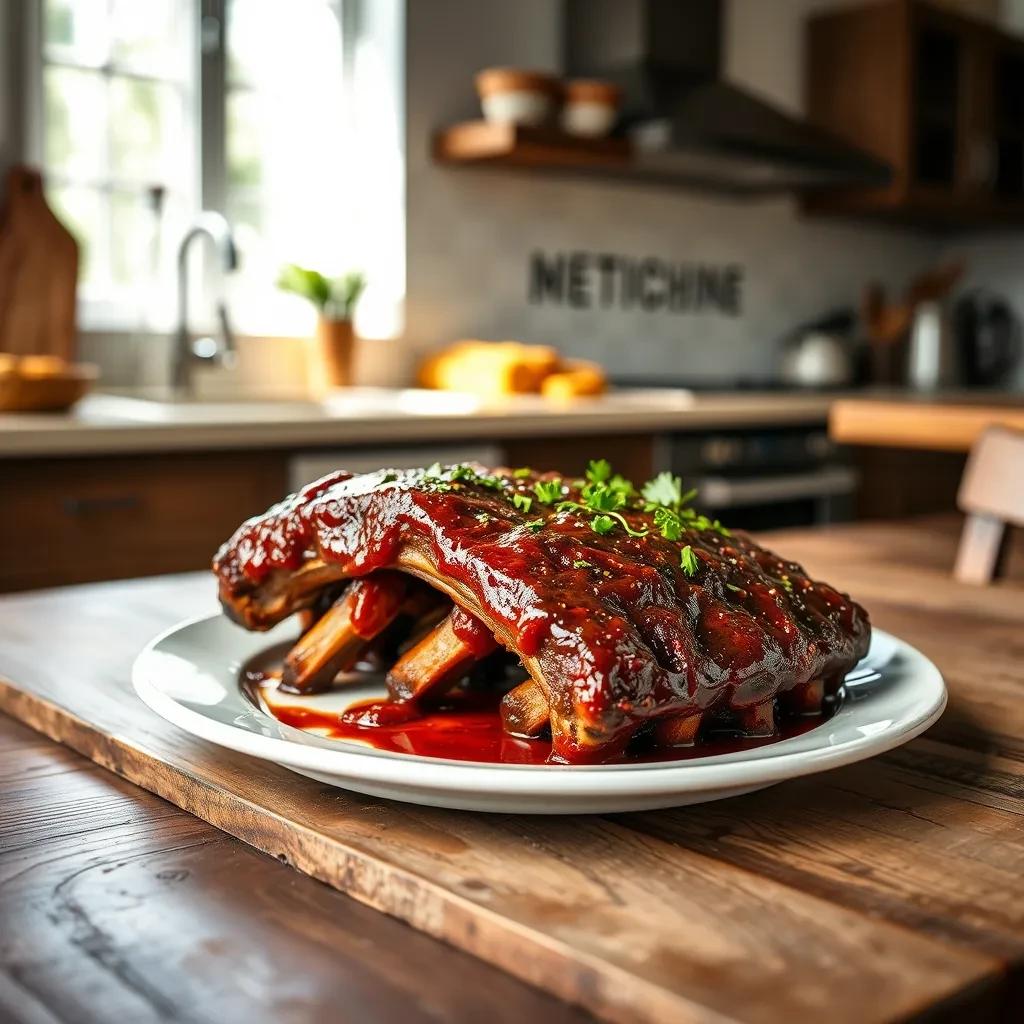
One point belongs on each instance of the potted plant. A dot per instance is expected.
(335, 300)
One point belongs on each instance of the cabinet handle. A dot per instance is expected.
(91, 506)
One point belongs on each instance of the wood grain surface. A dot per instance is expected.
(881, 891)
(934, 426)
(118, 906)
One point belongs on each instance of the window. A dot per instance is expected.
(118, 146)
(150, 110)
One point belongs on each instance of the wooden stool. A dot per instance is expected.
(992, 495)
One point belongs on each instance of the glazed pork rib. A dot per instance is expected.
(630, 613)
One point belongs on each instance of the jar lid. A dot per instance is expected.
(492, 80)
(592, 90)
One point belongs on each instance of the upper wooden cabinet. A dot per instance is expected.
(938, 96)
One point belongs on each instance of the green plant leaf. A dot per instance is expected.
(306, 283)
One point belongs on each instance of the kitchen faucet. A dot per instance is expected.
(203, 350)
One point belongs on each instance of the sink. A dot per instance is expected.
(153, 406)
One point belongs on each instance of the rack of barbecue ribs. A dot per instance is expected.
(632, 614)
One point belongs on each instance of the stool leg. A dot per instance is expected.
(977, 558)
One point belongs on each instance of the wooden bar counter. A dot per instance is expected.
(944, 424)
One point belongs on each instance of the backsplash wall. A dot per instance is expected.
(471, 233)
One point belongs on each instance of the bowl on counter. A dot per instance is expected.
(42, 383)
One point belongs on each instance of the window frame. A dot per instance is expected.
(380, 26)
(109, 313)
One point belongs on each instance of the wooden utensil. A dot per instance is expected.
(888, 323)
(38, 272)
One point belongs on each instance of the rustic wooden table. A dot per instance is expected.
(881, 891)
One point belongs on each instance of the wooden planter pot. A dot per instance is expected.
(332, 355)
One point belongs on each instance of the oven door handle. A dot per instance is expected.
(728, 492)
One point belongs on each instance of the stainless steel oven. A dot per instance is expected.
(766, 478)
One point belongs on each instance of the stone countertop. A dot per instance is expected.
(107, 424)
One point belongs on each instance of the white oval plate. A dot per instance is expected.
(190, 676)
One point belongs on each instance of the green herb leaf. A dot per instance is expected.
(611, 517)
(483, 517)
(668, 523)
(598, 471)
(582, 563)
(665, 490)
(534, 524)
(601, 498)
(688, 561)
(602, 524)
(548, 491)
(523, 471)
(522, 502)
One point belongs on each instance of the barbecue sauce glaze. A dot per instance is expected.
(466, 725)
(469, 729)
(623, 631)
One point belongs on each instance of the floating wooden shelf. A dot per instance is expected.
(546, 150)
(509, 145)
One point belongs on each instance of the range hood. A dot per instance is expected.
(683, 118)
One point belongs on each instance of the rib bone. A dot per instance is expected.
(525, 710)
(804, 699)
(336, 640)
(679, 731)
(439, 659)
(758, 720)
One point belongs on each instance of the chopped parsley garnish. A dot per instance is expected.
(688, 561)
(665, 497)
(582, 563)
(522, 502)
(483, 517)
(666, 490)
(601, 498)
(668, 523)
(443, 478)
(598, 471)
(604, 498)
(787, 584)
(548, 491)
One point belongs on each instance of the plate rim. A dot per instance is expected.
(419, 772)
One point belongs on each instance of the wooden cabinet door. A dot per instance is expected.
(937, 95)
(76, 520)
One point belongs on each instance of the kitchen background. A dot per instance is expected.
(448, 250)
(197, 149)
(470, 235)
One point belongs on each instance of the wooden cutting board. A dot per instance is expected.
(876, 892)
(38, 272)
